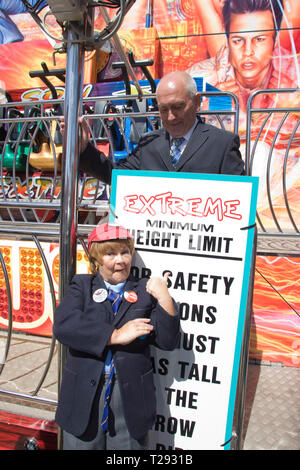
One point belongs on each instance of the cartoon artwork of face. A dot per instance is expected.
(251, 44)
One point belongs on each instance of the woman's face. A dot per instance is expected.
(115, 264)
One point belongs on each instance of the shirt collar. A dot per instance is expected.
(118, 288)
(189, 133)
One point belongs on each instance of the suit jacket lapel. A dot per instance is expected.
(162, 146)
(197, 139)
(130, 285)
(98, 283)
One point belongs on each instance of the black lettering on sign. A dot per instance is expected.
(162, 367)
(197, 313)
(139, 273)
(183, 398)
(201, 343)
(171, 425)
(199, 372)
(205, 283)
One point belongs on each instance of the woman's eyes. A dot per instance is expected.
(112, 253)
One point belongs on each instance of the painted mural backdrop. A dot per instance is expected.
(239, 46)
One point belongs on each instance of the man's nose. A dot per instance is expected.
(248, 47)
(171, 115)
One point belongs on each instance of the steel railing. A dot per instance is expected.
(272, 153)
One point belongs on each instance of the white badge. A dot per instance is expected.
(100, 295)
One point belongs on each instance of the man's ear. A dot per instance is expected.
(198, 100)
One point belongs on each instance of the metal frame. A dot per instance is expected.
(280, 242)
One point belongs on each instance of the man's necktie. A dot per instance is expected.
(115, 299)
(175, 149)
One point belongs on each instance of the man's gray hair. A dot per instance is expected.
(191, 85)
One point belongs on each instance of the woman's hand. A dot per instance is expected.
(158, 288)
(131, 331)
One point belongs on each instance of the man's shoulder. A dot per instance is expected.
(217, 131)
(149, 138)
(156, 133)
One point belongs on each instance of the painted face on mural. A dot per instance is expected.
(251, 51)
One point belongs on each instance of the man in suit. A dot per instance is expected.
(108, 320)
(202, 148)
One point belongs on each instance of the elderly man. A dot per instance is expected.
(184, 144)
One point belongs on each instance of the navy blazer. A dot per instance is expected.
(209, 150)
(85, 326)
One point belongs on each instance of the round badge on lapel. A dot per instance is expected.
(100, 295)
(130, 297)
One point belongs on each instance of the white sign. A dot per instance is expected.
(200, 228)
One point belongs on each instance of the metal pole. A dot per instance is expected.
(68, 225)
(237, 431)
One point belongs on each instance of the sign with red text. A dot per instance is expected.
(199, 228)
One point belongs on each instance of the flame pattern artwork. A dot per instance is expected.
(275, 328)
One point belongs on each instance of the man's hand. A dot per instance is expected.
(230, 85)
(83, 132)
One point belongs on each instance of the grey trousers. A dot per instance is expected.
(117, 436)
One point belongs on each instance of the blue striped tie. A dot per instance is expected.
(115, 299)
(175, 149)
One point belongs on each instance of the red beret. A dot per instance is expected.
(106, 232)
